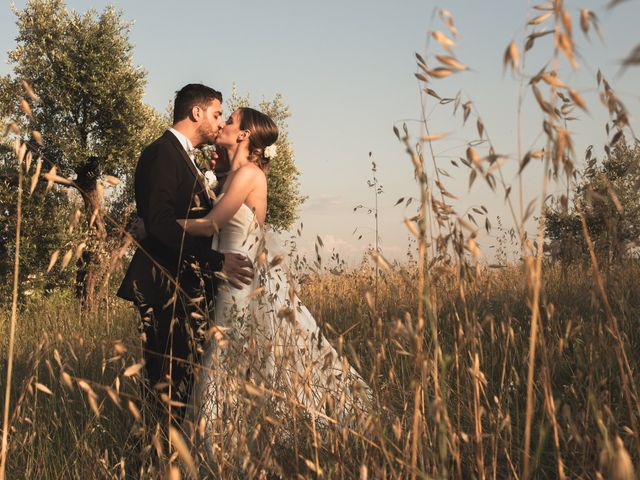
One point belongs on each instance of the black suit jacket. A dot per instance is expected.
(168, 187)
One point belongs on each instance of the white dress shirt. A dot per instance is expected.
(186, 144)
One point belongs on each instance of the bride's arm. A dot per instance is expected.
(241, 185)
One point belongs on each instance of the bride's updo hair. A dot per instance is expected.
(264, 132)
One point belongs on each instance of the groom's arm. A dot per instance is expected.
(159, 172)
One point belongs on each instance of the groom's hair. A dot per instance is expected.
(191, 95)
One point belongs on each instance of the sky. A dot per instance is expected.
(346, 70)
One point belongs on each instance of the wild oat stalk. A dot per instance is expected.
(20, 151)
(455, 336)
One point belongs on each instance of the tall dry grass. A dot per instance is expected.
(527, 371)
(484, 339)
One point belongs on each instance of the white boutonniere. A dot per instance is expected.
(211, 179)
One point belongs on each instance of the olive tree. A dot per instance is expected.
(90, 112)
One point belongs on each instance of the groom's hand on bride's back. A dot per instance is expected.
(237, 269)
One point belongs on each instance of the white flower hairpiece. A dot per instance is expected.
(270, 152)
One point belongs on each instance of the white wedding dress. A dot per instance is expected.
(267, 345)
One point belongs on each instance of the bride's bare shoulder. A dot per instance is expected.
(246, 179)
(252, 172)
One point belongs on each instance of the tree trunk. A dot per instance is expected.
(89, 265)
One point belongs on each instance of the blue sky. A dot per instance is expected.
(346, 71)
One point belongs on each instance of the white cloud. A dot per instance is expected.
(323, 202)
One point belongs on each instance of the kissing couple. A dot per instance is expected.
(219, 317)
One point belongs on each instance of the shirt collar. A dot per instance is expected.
(184, 141)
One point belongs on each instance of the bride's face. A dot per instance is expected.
(231, 134)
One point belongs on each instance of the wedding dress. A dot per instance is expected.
(266, 346)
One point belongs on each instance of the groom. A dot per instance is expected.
(170, 278)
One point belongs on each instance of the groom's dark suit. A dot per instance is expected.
(168, 187)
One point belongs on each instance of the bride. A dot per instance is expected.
(266, 347)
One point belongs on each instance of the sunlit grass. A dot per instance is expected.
(528, 370)
(58, 434)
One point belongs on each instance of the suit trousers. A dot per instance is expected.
(172, 342)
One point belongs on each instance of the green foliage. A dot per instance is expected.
(43, 230)
(88, 110)
(283, 196)
(607, 192)
(90, 91)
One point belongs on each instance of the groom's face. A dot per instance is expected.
(210, 122)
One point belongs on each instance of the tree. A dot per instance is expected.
(607, 193)
(283, 195)
(90, 111)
